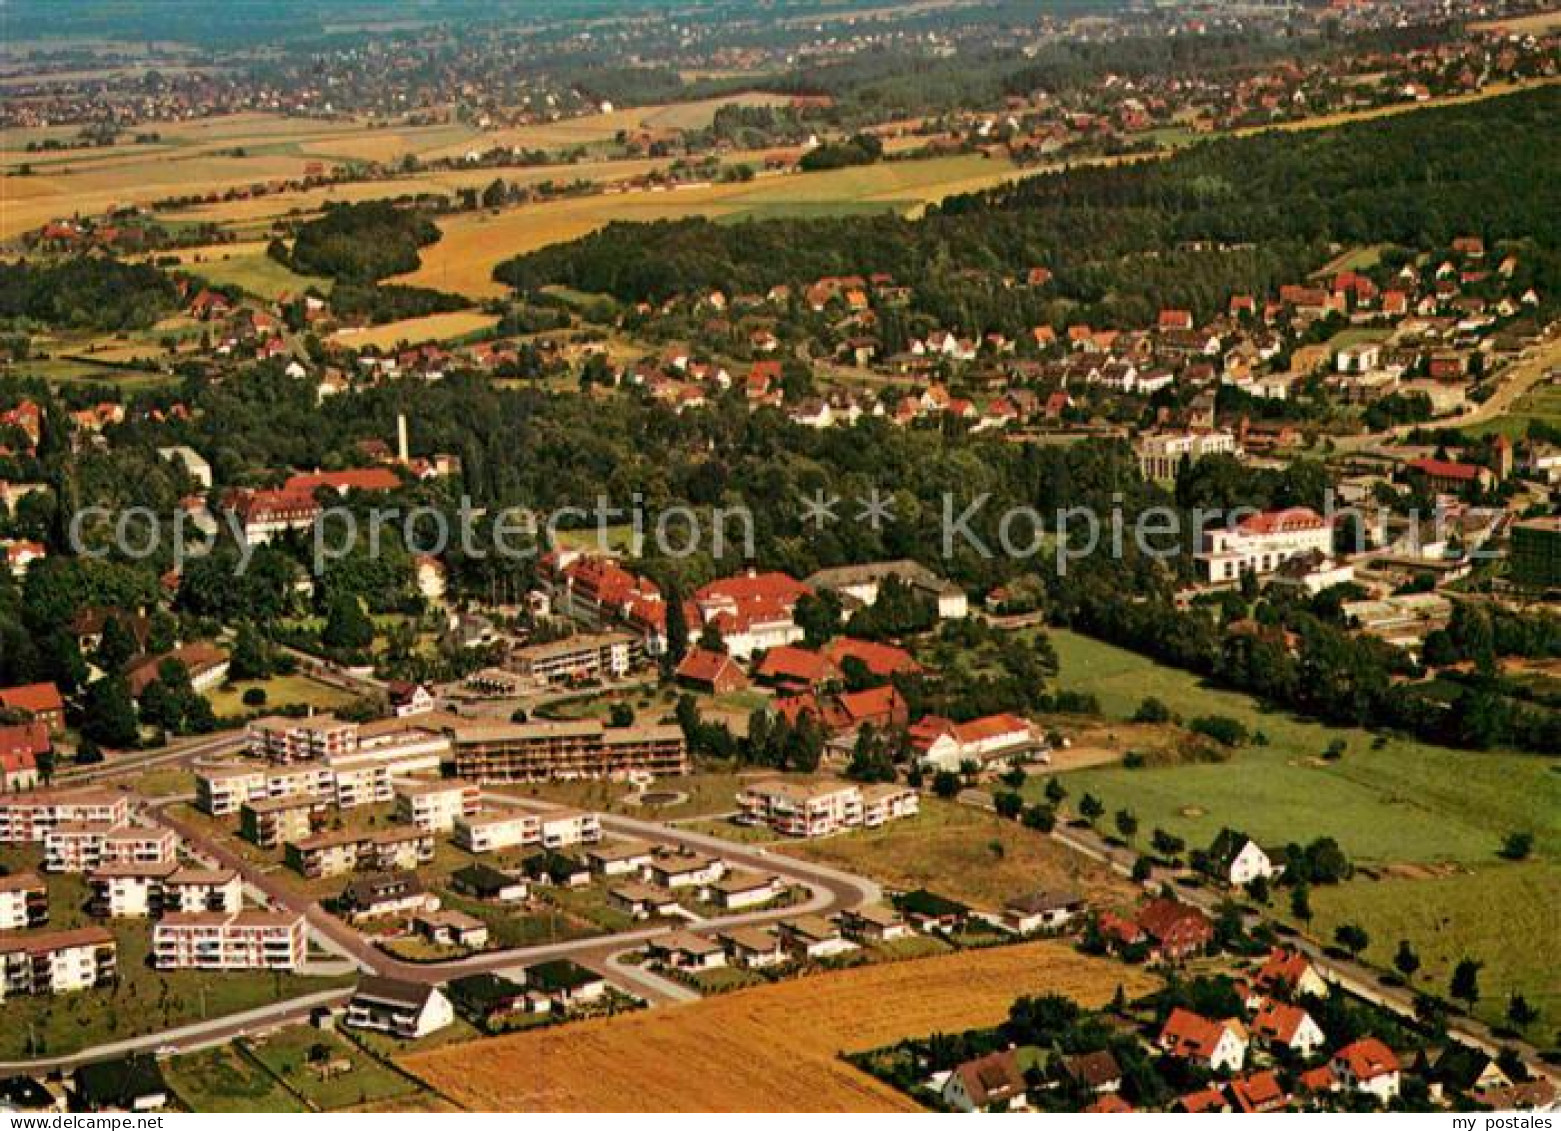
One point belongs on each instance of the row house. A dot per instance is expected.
(83, 846)
(224, 941)
(26, 818)
(58, 962)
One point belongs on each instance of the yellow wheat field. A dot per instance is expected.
(774, 1048)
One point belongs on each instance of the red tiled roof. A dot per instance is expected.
(1276, 522)
(705, 666)
(1196, 1103)
(1260, 1091)
(1279, 1021)
(1446, 469)
(882, 660)
(1283, 970)
(1367, 1059)
(796, 665)
(1188, 1034)
(38, 698)
(356, 479)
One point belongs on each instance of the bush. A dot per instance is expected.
(1222, 729)
(254, 697)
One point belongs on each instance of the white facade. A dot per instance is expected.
(435, 806)
(243, 940)
(1262, 543)
(494, 832)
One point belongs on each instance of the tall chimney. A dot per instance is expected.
(401, 438)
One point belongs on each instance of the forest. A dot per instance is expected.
(360, 242)
(1238, 215)
(85, 293)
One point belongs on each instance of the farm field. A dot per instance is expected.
(248, 267)
(1505, 915)
(1541, 403)
(1405, 802)
(718, 1054)
(475, 243)
(953, 850)
(430, 328)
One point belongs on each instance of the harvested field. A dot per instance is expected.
(773, 1048)
(430, 328)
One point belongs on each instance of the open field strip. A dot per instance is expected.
(772, 1048)
(430, 328)
(1535, 23)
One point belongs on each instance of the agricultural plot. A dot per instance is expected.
(1402, 801)
(720, 1054)
(475, 243)
(965, 854)
(430, 328)
(248, 267)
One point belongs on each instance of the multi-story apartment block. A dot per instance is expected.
(58, 962)
(1262, 543)
(83, 846)
(336, 854)
(566, 828)
(239, 940)
(140, 890)
(598, 655)
(544, 751)
(311, 739)
(275, 821)
(494, 832)
(221, 790)
(25, 818)
(823, 808)
(1162, 455)
(435, 806)
(24, 902)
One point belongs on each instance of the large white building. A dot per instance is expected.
(310, 739)
(1261, 543)
(494, 832)
(58, 962)
(1161, 455)
(861, 583)
(435, 806)
(814, 809)
(27, 817)
(83, 846)
(240, 940)
(140, 890)
(24, 901)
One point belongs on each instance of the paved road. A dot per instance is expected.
(138, 762)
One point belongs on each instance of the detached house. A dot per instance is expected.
(990, 1083)
(1219, 1046)
(1368, 1066)
(1279, 1025)
(1236, 858)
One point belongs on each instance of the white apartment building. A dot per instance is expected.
(494, 832)
(222, 790)
(311, 739)
(26, 817)
(1161, 455)
(58, 962)
(24, 901)
(435, 806)
(814, 809)
(241, 940)
(83, 846)
(122, 891)
(566, 828)
(1262, 543)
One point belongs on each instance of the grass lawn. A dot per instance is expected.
(1505, 915)
(257, 273)
(1542, 403)
(963, 853)
(511, 927)
(287, 1054)
(224, 1079)
(705, 794)
(281, 691)
(1408, 801)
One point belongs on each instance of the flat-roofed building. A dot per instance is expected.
(24, 902)
(58, 962)
(435, 806)
(25, 818)
(140, 890)
(577, 749)
(569, 827)
(337, 853)
(313, 738)
(493, 831)
(83, 846)
(237, 940)
(595, 655)
(823, 808)
(222, 789)
(275, 821)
